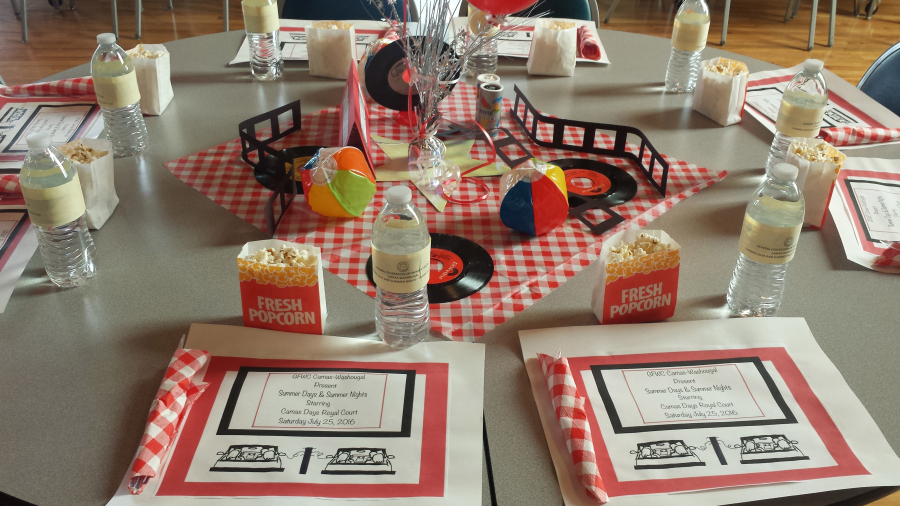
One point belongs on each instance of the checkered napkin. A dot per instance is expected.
(176, 393)
(890, 256)
(64, 87)
(587, 44)
(855, 136)
(569, 407)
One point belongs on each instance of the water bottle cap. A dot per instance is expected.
(40, 140)
(785, 172)
(399, 195)
(813, 65)
(106, 38)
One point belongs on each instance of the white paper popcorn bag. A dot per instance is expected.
(553, 48)
(721, 90)
(153, 67)
(93, 160)
(637, 277)
(282, 287)
(818, 164)
(331, 46)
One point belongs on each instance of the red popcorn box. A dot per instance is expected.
(285, 290)
(637, 278)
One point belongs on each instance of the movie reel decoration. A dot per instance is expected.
(617, 185)
(274, 168)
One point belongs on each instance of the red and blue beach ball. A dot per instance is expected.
(533, 198)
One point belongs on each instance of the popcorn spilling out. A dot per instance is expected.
(727, 67)
(822, 152)
(333, 25)
(79, 153)
(559, 25)
(286, 256)
(644, 245)
(139, 52)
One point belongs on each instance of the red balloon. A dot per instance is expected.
(502, 7)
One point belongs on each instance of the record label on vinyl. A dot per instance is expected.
(449, 263)
(597, 184)
(398, 77)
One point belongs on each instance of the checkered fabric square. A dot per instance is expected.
(176, 393)
(526, 268)
(569, 407)
(64, 87)
(856, 136)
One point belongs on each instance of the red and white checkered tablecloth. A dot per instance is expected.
(525, 268)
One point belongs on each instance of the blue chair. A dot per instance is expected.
(572, 9)
(339, 9)
(882, 80)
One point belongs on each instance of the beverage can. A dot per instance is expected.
(490, 103)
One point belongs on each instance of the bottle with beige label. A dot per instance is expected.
(263, 26)
(56, 208)
(801, 112)
(401, 267)
(116, 86)
(768, 242)
(688, 40)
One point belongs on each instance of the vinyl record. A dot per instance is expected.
(269, 172)
(604, 182)
(465, 268)
(387, 78)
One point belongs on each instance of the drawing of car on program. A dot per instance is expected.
(771, 448)
(359, 461)
(249, 459)
(665, 455)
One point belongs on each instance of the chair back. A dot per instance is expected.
(340, 9)
(572, 9)
(882, 80)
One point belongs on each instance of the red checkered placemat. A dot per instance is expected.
(525, 268)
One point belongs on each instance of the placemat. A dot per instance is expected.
(526, 268)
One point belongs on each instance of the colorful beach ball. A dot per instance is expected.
(338, 182)
(533, 197)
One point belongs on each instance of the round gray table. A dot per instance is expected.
(79, 368)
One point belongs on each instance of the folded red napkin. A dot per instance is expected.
(64, 87)
(569, 407)
(588, 47)
(176, 393)
(855, 136)
(890, 256)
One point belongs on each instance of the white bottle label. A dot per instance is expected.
(795, 121)
(767, 244)
(401, 273)
(262, 19)
(117, 92)
(52, 207)
(690, 36)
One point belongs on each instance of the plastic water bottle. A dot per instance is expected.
(801, 112)
(115, 84)
(262, 26)
(484, 60)
(56, 207)
(401, 266)
(688, 41)
(768, 241)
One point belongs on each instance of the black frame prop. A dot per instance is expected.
(590, 129)
(263, 148)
